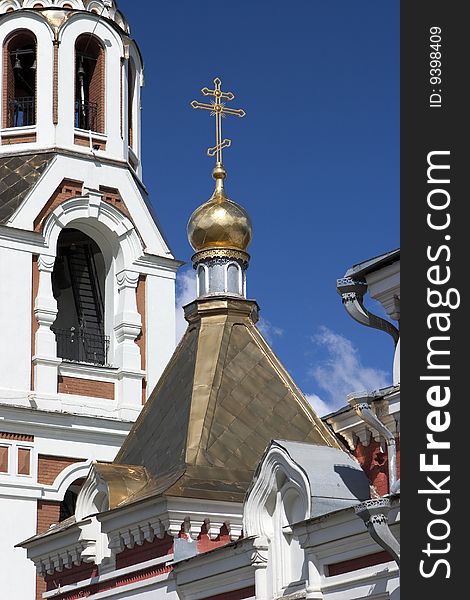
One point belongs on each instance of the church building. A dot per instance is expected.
(131, 468)
(88, 279)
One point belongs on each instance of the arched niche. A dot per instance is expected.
(19, 79)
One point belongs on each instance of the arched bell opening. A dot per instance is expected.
(20, 66)
(89, 83)
(78, 285)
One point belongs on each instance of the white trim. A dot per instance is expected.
(65, 479)
(110, 575)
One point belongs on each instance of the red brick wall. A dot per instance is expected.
(375, 464)
(112, 196)
(358, 563)
(18, 437)
(204, 543)
(47, 514)
(27, 138)
(67, 189)
(85, 387)
(247, 592)
(50, 466)
(148, 550)
(69, 576)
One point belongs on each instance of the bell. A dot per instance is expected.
(81, 69)
(17, 66)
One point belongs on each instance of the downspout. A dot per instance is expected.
(374, 512)
(352, 294)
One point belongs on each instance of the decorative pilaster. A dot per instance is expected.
(127, 326)
(45, 361)
(259, 560)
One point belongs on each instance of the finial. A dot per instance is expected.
(218, 109)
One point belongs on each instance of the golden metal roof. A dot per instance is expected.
(221, 400)
(219, 222)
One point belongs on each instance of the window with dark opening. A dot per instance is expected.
(19, 54)
(78, 283)
(69, 503)
(130, 101)
(89, 83)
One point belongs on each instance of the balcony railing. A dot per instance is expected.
(77, 345)
(22, 112)
(86, 115)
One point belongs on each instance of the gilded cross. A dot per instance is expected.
(218, 110)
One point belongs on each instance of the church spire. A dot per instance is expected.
(220, 230)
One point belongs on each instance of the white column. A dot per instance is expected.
(259, 560)
(313, 590)
(45, 360)
(127, 326)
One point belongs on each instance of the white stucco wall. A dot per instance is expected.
(15, 311)
(17, 573)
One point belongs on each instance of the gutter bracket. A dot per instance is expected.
(352, 293)
(374, 513)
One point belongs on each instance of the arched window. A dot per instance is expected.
(68, 504)
(89, 83)
(78, 283)
(131, 73)
(233, 279)
(201, 280)
(19, 59)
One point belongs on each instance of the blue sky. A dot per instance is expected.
(315, 162)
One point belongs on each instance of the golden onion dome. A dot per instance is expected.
(219, 222)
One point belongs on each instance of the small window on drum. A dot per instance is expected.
(233, 278)
(201, 280)
(19, 98)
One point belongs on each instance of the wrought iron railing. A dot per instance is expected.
(86, 115)
(77, 345)
(22, 111)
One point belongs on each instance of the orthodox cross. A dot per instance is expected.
(218, 110)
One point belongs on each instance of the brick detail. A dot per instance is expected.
(113, 583)
(204, 543)
(84, 140)
(47, 514)
(34, 321)
(50, 466)
(346, 566)
(85, 387)
(70, 576)
(375, 464)
(147, 551)
(247, 592)
(17, 437)
(27, 138)
(67, 189)
(112, 196)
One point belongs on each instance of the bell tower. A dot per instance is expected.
(88, 280)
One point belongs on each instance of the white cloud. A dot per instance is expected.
(341, 372)
(319, 406)
(185, 293)
(268, 330)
